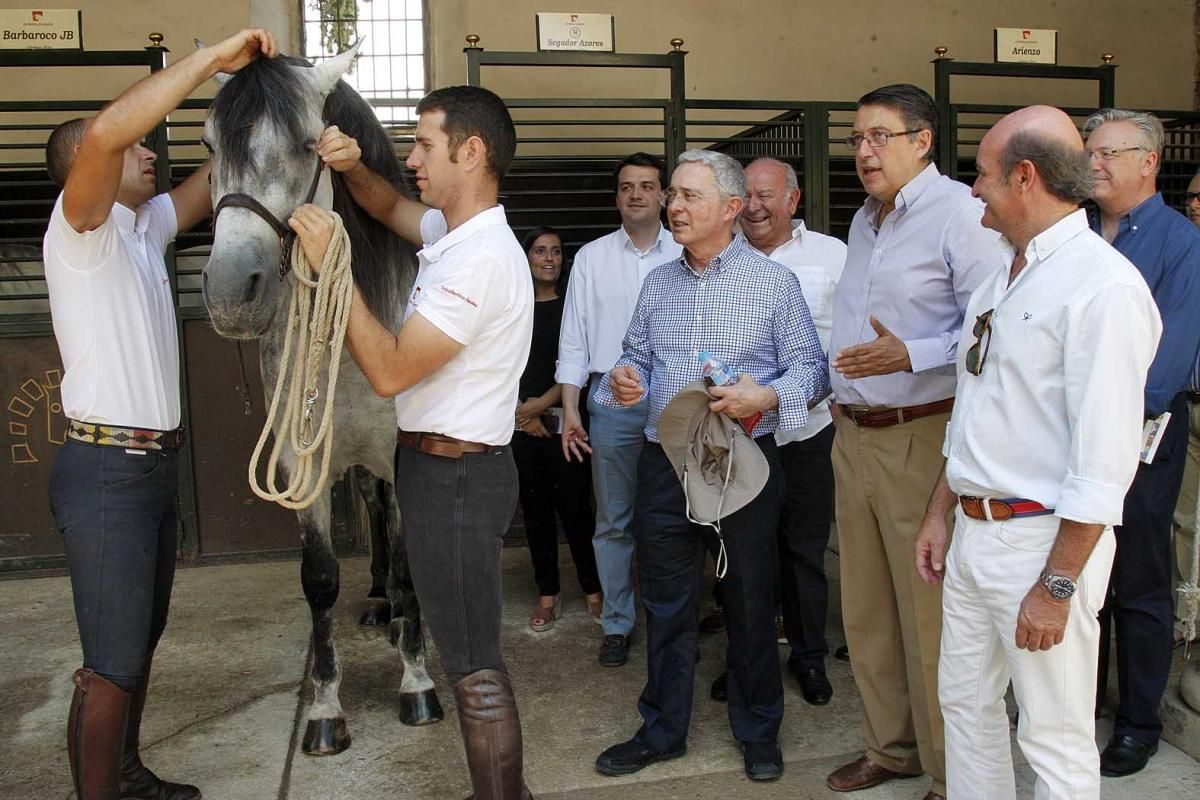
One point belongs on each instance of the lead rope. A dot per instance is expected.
(316, 326)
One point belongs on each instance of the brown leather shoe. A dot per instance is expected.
(862, 774)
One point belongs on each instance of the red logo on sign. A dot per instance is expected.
(1025, 34)
(37, 15)
(574, 18)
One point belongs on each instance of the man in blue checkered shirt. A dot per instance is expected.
(748, 311)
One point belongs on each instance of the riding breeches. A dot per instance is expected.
(116, 512)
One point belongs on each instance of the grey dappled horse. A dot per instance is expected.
(262, 130)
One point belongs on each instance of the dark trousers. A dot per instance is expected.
(671, 552)
(803, 537)
(1140, 604)
(116, 513)
(455, 513)
(549, 483)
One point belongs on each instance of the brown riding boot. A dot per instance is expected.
(137, 781)
(95, 736)
(491, 731)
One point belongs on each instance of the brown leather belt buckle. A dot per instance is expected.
(973, 507)
(435, 444)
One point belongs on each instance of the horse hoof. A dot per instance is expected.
(420, 708)
(325, 737)
(376, 616)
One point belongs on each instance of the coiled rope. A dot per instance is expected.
(318, 313)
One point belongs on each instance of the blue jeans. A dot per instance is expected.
(616, 436)
(116, 513)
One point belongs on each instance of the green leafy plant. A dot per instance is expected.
(338, 23)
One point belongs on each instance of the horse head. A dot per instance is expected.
(262, 131)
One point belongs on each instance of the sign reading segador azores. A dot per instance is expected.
(24, 28)
(1026, 46)
(593, 32)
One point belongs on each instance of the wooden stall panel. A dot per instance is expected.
(233, 521)
(33, 427)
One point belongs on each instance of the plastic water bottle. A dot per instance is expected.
(714, 369)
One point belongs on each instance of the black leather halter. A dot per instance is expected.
(287, 237)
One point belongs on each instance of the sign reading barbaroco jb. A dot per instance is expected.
(24, 28)
(592, 32)
(1026, 46)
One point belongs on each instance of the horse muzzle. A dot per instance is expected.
(241, 292)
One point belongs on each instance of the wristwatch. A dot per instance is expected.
(1060, 586)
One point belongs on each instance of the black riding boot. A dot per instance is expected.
(491, 731)
(95, 733)
(138, 782)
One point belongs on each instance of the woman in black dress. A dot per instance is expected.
(550, 483)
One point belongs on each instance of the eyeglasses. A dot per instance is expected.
(1110, 153)
(1190, 197)
(876, 139)
(978, 352)
(686, 195)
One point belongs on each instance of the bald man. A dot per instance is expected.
(1040, 450)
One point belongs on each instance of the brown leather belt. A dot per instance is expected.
(128, 438)
(868, 417)
(435, 444)
(1001, 509)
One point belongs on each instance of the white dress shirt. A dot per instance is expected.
(473, 285)
(817, 261)
(114, 316)
(606, 277)
(1056, 415)
(914, 273)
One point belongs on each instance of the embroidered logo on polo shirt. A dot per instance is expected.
(1026, 316)
(458, 294)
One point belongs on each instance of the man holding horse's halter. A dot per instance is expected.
(454, 369)
(113, 485)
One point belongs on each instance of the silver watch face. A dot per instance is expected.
(1059, 587)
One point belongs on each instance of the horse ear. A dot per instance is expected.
(220, 78)
(326, 74)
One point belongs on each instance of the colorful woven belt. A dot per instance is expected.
(131, 438)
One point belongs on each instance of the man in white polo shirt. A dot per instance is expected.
(113, 485)
(605, 280)
(1041, 448)
(454, 369)
(817, 261)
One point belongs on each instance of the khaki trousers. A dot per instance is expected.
(893, 619)
(1185, 509)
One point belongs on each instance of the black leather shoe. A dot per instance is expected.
(629, 757)
(842, 653)
(615, 650)
(814, 686)
(762, 760)
(720, 690)
(1125, 755)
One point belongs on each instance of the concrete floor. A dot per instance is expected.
(229, 694)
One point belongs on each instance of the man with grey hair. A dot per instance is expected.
(817, 261)
(723, 297)
(1040, 450)
(1125, 148)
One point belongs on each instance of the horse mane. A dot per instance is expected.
(383, 264)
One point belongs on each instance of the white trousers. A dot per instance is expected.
(989, 569)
